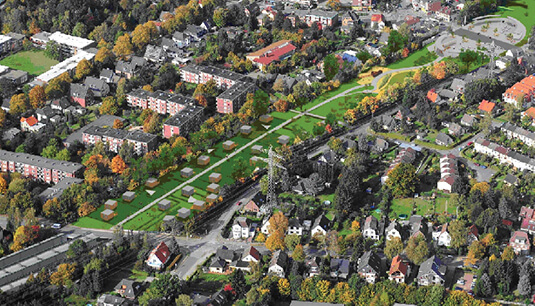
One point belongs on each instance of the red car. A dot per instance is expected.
(470, 143)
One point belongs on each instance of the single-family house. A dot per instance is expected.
(369, 267)
(398, 270)
(530, 112)
(128, 288)
(251, 254)
(159, 256)
(433, 96)
(30, 124)
(418, 226)
(254, 205)
(45, 113)
(443, 140)
(278, 264)
(378, 22)
(468, 120)
(510, 180)
(295, 227)
(81, 94)
(473, 234)
(458, 86)
(107, 75)
(487, 107)
(394, 230)
(99, 87)
(340, 268)
(60, 104)
(241, 228)
(314, 266)
(441, 235)
(432, 272)
(371, 228)
(265, 226)
(155, 54)
(455, 129)
(520, 242)
(218, 265)
(320, 226)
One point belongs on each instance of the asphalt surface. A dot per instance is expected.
(485, 39)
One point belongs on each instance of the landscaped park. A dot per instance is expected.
(34, 62)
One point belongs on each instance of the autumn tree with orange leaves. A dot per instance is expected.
(117, 164)
(37, 97)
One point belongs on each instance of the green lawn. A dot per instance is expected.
(208, 277)
(520, 9)
(418, 58)
(332, 93)
(394, 78)
(423, 207)
(339, 106)
(33, 62)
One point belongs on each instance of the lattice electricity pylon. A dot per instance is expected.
(492, 62)
(271, 199)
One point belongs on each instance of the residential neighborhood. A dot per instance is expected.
(297, 152)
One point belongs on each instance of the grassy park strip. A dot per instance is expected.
(33, 62)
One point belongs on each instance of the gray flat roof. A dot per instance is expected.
(39, 161)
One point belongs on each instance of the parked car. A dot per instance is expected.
(470, 143)
(477, 165)
(56, 226)
(483, 166)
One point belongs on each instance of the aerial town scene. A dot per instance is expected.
(262, 152)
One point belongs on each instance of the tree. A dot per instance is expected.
(278, 222)
(63, 276)
(152, 124)
(183, 300)
(140, 36)
(83, 68)
(279, 85)
(292, 241)
(24, 235)
(275, 241)
(483, 187)
(18, 104)
(333, 4)
(508, 254)
(58, 86)
(220, 17)
(459, 233)
(123, 47)
(239, 169)
(284, 287)
(330, 66)
(77, 248)
(118, 124)
(37, 97)
(2, 118)
(104, 56)
(475, 252)
(417, 249)
(117, 164)
(109, 106)
(298, 253)
(524, 286)
(396, 41)
(393, 247)
(260, 103)
(238, 282)
(260, 237)
(3, 185)
(402, 180)
(468, 57)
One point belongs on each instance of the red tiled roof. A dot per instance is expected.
(31, 121)
(410, 20)
(273, 46)
(473, 230)
(377, 17)
(275, 55)
(398, 266)
(486, 106)
(162, 252)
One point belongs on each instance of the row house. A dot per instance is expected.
(362, 5)
(504, 155)
(161, 102)
(406, 155)
(201, 74)
(115, 138)
(37, 167)
(322, 18)
(186, 121)
(513, 131)
(448, 172)
(226, 260)
(525, 89)
(243, 228)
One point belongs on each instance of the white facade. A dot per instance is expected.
(318, 230)
(277, 270)
(442, 238)
(239, 232)
(393, 233)
(370, 233)
(295, 230)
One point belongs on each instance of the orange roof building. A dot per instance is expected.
(377, 18)
(530, 112)
(275, 52)
(524, 88)
(432, 95)
(398, 270)
(487, 106)
(30, 121)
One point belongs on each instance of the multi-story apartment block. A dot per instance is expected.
(362, 5)
(232, 99)
(70, 44)
(324, 18)
(186, 121)
(37, 167)
(524, 89)
(115, 138)
(159, 101)
(11, 42)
